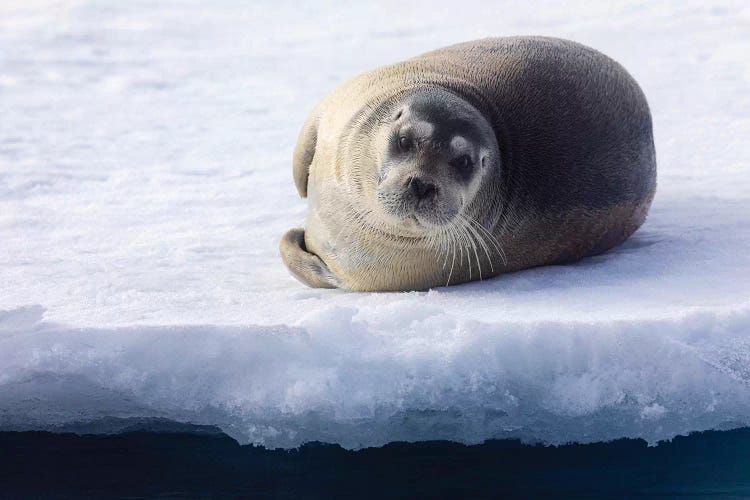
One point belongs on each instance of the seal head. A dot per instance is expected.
(432, 157)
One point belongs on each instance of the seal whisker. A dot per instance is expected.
(453, 258)
(471, 241)
(480, 239)
(462, 241)
(469, 246)
(447, 241)
(435, 242)
(477, 237)
(491, 237)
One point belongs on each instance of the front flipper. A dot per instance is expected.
(304, 152)
(305, 266)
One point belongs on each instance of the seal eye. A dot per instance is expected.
(403, 143)
(463, 164)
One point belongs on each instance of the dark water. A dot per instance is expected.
(177, 464)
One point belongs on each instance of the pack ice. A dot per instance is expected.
(145, 180)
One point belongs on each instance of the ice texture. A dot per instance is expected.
(145, 180)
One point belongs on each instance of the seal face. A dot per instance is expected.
(470, 161)
(433, 157)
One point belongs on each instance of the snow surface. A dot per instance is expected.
(145, 180)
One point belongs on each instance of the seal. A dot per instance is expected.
(470, 161)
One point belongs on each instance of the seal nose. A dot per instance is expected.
(422, 189)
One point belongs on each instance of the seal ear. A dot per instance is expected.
(304, 152)
(305, 266)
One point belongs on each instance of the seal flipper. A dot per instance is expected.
(304, 152)
(305, 266)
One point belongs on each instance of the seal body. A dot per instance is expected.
(466, 162)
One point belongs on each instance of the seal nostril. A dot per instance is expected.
(421, 189)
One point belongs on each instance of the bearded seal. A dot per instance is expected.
(473, 160)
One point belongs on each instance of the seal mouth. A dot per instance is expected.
(433, 222)
(403, 212)
(423, 215)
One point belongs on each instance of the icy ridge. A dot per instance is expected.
(339, 377)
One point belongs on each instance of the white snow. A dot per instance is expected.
(145, 181)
